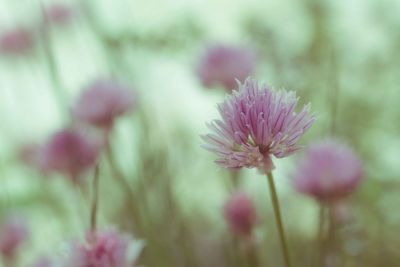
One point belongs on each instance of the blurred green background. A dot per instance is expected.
(337, 55)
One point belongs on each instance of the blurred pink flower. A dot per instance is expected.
(42, 262)
(102, 102)
(329, 171)
(58, 13)
(16, 41)
(69, 152)
(105, 248)
(13, 232)
(221, 65)
(257, 122)
(240, 214)
(30, 154)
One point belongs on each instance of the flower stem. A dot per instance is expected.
(119, 177)
(278, 219)
(320, 244)
(55, 78)
(95, 200)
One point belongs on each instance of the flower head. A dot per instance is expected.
(30, 155)
(257, 122)
(69, 152)
(43, 262)
(58, 13)
(329, 171)
(102, 102)
(240, 214)
(13, 232)
(102, 249)
(222, 65)
(16, 41)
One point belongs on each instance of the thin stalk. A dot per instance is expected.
(59, 94)
(235, 179)
(332, 242)
(320, 237)
(278, 219)
(335, 92)
(251, 253)
(118, 176)
(95, 200)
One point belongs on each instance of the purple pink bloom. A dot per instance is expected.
(69, 152)
(102, 102)
(222, 65)
(329, 171)
(58, 13)
(256, 123)
(42, 262)
(240, 214)
(30, 155)
(105, 248)
(13, 233)
(16, 41)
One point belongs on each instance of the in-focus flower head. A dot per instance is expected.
(16, 41)
(222, 65)
(103, 101)
(106, 248)
(13, 232)
(329, 171)
(256, 123)
(70, 152)
(240, 214)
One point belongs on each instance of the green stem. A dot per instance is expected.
(320, 244)
(95, 201)
(251, 253)
(278, 219)
(118, 176)
(57, 87)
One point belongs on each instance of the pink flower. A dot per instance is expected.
(58, 13)
(30, 154)
(240, 214)
(16, 41)
(102, 102)
(43, 262)
(329, 171)
(257, 122)
(221, 65)
(13, 232)
(102, 249)
(69, 152)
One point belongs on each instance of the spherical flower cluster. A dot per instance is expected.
(102, 102)
(329, 171)
(222, 65)
(16, 41)
(240, 214)
(13, 232)
(257, 122)
(105, 248)
(69, 152)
